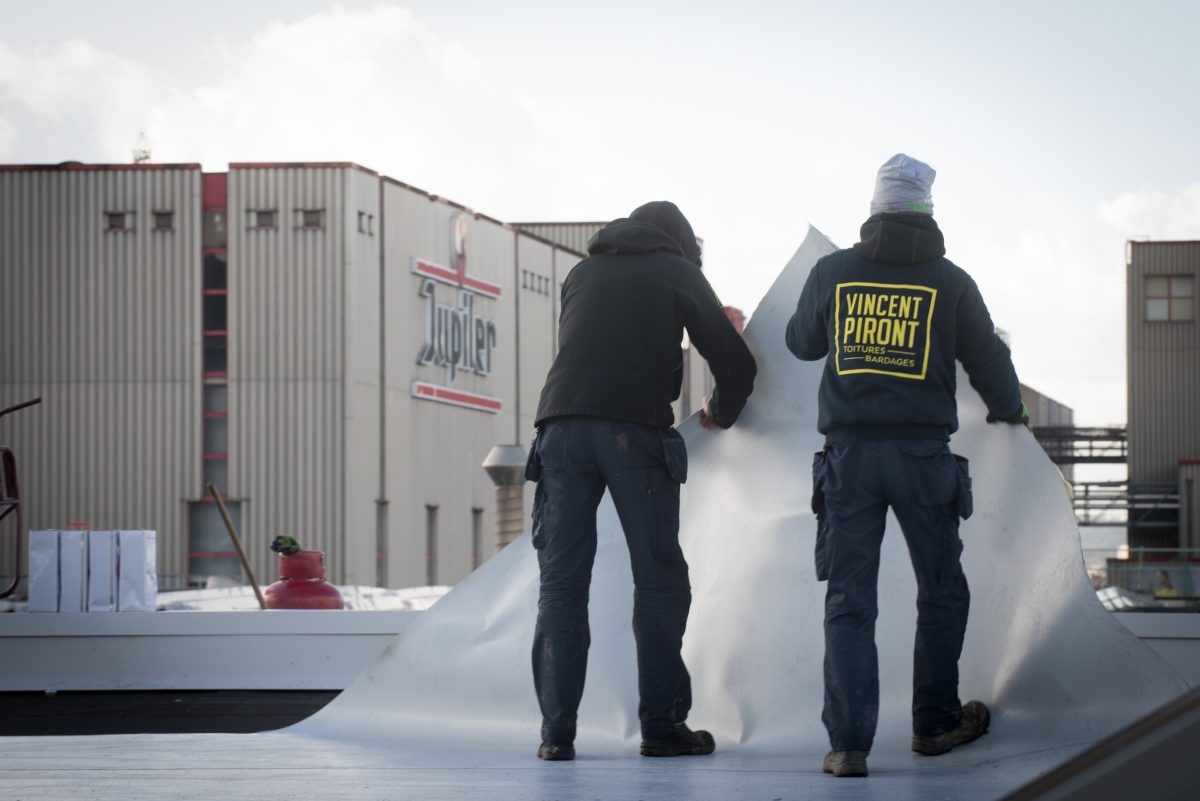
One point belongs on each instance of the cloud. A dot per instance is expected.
(72, 101)
(8, 139)
(375, 86)
(1057, 282)
(1155, 214)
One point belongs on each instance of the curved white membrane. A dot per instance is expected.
(1040, 649)
(448, 710)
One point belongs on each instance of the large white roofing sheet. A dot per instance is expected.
(448, 710)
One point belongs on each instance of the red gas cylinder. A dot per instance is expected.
(302, 584)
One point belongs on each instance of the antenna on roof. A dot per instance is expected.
(141, 150)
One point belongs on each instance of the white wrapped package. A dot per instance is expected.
(102, 571)
(72, 571)
(137, 579)
(43, 571)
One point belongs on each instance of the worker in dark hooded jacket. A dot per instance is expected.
(890, 316)
(604, 420)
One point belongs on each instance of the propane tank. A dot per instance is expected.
(302, 584)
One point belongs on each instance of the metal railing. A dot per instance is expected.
(1071, 445)
(1105, 503)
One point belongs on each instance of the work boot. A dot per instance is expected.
(681, 742)
(972, 724)
(845, 763)
(556, 752)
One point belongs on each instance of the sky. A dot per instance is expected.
(1059, 130)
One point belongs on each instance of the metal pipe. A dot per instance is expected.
(237, 543)
(505, 465)
(510, 517)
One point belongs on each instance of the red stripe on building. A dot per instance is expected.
(448, 276)
(482, 287)
(215, 190)
(455, 397)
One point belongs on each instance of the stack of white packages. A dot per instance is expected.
(92, 571)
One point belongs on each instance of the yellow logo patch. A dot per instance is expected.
(883, 328)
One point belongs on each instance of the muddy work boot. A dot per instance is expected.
(845, 763)
(972, 724)
(556, 752)
(681, 742)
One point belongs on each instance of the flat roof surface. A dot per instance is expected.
(447, 711)
(287, 767)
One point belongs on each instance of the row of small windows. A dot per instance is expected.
(126, 220)
(256, 219)
(1170, 298)
(535, 283)
(268, 219)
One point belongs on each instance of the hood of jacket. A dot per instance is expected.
(656, 226)
(900, 239)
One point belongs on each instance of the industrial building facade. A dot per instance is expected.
(335, 350)
(1163, 367)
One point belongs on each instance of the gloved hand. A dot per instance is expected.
(1020, 418)
(706, 419)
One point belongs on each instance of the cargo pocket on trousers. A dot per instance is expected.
(538, 528)
(675, 454)
(964, 501)
(664, 503)
(533, 462)
(821, 550)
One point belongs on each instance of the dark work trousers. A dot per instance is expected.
(642, 468)
(927, 488)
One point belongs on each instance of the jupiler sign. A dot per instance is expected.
(457, 336)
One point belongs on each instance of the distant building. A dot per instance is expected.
(1163, 369)
(336, 350)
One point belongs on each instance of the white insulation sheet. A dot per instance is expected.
(448, 710)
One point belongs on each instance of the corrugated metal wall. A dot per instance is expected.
(571, 235)
(435, 451)
(103, 326)
(364, 427)
(1163, 367)
(325, 440)
(286, 361)
(1044, 410)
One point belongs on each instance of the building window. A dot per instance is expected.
(310, 219)
(1170, 298)
(118, 220)
(431, 545)
(366, 223)
(262, 219)
(209, 550)
(215, 237)
(164, 221)
(476, 537)
(534, 282)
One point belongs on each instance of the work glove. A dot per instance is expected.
(1020, 418)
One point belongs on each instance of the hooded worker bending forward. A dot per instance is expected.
(604, 420)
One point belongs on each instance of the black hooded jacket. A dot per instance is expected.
(624, 310)
(890, 316)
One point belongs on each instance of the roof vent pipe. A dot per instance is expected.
(505, 466)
